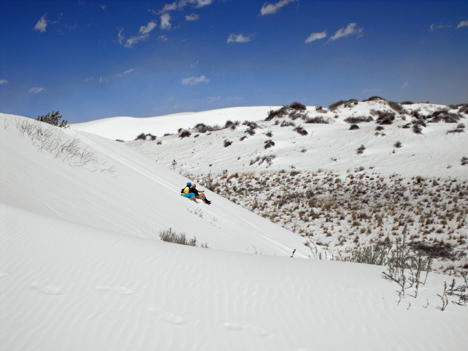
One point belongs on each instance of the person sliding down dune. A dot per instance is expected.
(191, 191)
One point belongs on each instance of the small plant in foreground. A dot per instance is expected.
(398, 144)
(171, 236)
(360, 149)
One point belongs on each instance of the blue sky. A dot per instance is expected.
(97, 59)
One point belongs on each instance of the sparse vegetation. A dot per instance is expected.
(360, 149)
(53, 118)
(300, 130)
(171, 236)
(344, 103)
(359, 119)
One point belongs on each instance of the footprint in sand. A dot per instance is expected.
(120, 290)
(171, 318)
(247, 328)
(47, 289)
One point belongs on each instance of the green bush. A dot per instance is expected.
(53, 118)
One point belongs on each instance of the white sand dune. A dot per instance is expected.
(82, 267)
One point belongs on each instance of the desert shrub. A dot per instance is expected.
(243, 138)
(227, 142)
(119, 140)
(398, 144)
(464, 161)
(269, 143)
(385, 117)
(396, 107)
(184, 134)
(297, 106)
(249, 124)
(459, 129)
(354, 127)
(53, 118)
(407, 126)
(268, 159)
(172, 237)
(346, 103)
(463, 109)
(417, 128)
(316, 120)
(433, 250)
(373, 98)
(250, 131)
(360, 149)
(231, 124)
(281, 112)
(287, 124)
(141, 136)
(300, 130)
(407, 103)
(379, 128)
(297, 114)
(376, 254)
(359, 119)
(320, 109)
(202, 128)
(269, 134)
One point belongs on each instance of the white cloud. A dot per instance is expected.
(192, 17)
(201, 3)
(345, 32)
(169, 7)
(133, 40)
(145, 30)
(3, 81)
(129, 71)
(143, 34)
(163, 37)
(316, 36)
(238, 38)
(41, 24)
(195, 64)
(439, 26)
(36, 90)
(269, 9)
(195, 80)
(165, 21)
(103, 7)
(462, 24)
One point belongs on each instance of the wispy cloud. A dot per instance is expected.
(238, 38)
(163, 37)
(269, 9)
(143, 33)
(195, 80)
(195, 64)
(103, 7)
(165, 21)
(36, 90)
(41, 24)
(3, 81)
(462, 24)
(181, 4)
(192, 17)
(439, 26)
(106, 78)
(345, 32)
(316, 36)
(148, 28)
